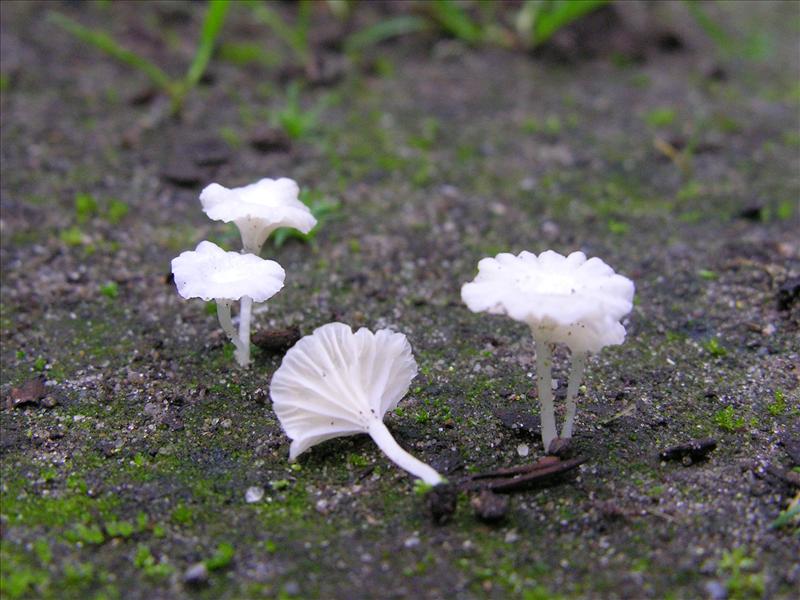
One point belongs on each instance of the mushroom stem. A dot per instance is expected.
(254, 235)
(250, 245)
(575, 376)
(224, 315)
(380, 434)
(243, 349)
(544, 380)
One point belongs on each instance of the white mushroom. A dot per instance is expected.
(563, 299)
(258, 209)
(335, 383)
(211, 273)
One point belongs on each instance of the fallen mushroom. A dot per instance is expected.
(258, 209)
(336, 383)
(563, 299)
(211, 273)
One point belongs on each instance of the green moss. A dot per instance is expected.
(86, 207)
(116, 211)
(182, 515)
(149, 565)
(715, 348)
(551, 125)
(72, 236)
(742, 582)
(222, 557)
(707, 274)
(661, 117)
(110, 289)
(778, 406)
(727, 420)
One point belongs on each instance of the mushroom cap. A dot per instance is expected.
(335, 382)
(270, 203)
(211, 273)
(566, 299)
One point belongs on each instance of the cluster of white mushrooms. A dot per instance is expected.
(335, 382)
(563, 299)
(211, 273)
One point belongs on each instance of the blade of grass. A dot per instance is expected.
(215, 17)
(711, 27)
(545, 18)
(107, 44)
(294, 37)
(454, 20)
(384, 30)
(302, 27)
(321, 207)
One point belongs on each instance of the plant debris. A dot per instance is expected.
(689, 452)
(788, 293)
(545, 471)
(441, 502)
(277, 340)
(30, 392)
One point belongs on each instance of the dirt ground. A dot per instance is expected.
(130, 438)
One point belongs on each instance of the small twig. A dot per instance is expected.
(676, 156)
(543, 472)
(542, 463)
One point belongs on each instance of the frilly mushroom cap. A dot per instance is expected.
(268, 203)
(566, 299)
(211, 273)
(335, 382)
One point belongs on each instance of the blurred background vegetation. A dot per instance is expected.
(309, 29)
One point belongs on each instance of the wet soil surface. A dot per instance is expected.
(139, 462)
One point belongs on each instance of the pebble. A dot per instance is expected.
(716, 591)
(270, 139)
(209, 152)
(196, 574)
(490, 507)
(411, 542)
(550, 230)
(254, 494)
(291, 588)
(182, 172)
(49, 402)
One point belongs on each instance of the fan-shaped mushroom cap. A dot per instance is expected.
(258, 208)
(211, 273)
(564, 299)
(336, 382)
